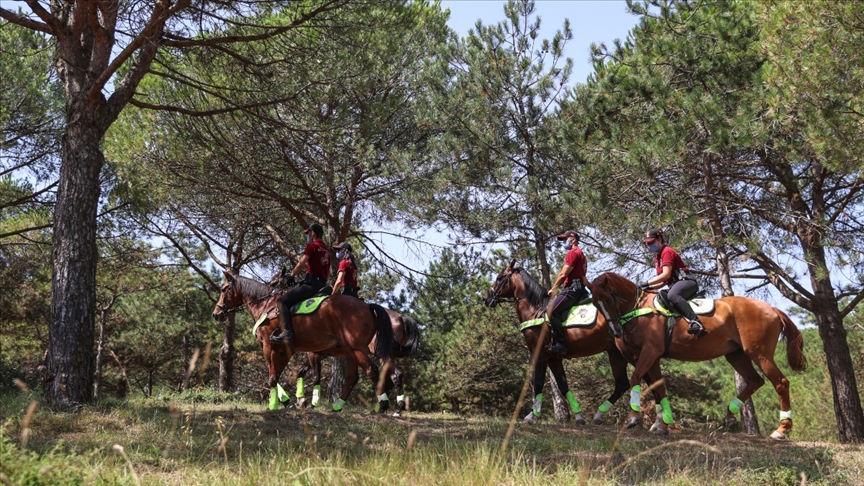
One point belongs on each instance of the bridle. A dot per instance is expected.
(499, 287)
(244, 305)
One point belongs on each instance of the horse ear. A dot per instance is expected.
(228, 275)
(513, 264)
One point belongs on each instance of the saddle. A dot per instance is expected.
(304, 307)
(583, 314)
(701, 306)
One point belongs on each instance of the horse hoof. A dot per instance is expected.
(657, 430)
(730, 422)
(579, 419)
(302, 403)
(598, 418)
(397, 414)
(634, 421)
(778, 435)
(530, 418)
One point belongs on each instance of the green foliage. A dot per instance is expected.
(57, 466)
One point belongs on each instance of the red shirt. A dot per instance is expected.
(575, 259)
(319, 259)
(350, 276)
(668, 257)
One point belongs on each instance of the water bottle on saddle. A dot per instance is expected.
(672, 271)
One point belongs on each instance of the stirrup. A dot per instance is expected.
(557, 348)
(285, 335)
(696, 328)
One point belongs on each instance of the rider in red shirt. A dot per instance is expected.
(572, 278)
(346, 276)
(672, 271)
(316, 262)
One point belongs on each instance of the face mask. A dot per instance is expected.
(340, 254)
(655, 247)
(568, 245)
(308, 238)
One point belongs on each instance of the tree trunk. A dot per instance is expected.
(226, 355)
(97, 375)
(559, 403)
(70, 367)
(337, 379)
(847, 403)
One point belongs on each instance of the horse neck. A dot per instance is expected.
(631, 301)
(525, 309)
(256, 305)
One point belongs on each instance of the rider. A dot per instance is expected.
(316, 261)
(672, 271)
(572, 277)
(346, 276)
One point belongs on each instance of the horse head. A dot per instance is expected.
(229, 299)
(280, 280)
(503, 287)
(609, 292)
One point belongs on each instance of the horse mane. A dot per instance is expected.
(536, 294)
(253, 288)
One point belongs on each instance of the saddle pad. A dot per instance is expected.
(308, 306)
(581, 316)
(700, 307)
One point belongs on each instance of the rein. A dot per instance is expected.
(245, 305)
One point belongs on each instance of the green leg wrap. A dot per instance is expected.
(667, 411)
(735, 405)
(636, 398)
(281, 393)
(538, 403)
(605, 406)
(301, 391)
(274, 400)
(574, 404)
(339, 405)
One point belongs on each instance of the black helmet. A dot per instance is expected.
(315, 228)
(342, 246)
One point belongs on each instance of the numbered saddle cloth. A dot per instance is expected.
(700, 306)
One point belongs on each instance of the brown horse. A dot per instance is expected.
(406, 341)
(342, 326)
(406, 332)
(514, 284)
(741, 329)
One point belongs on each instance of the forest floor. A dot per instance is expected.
(163, 442)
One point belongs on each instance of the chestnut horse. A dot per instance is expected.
(342, 326)
(741, 329)
(406, 334)
(514, 284)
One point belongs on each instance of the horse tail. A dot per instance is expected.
(384, 340)
(412, 338)
(794, 342)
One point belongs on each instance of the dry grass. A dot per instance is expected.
(152, 442)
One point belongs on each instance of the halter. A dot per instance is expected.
(498, 287)
(244, 305)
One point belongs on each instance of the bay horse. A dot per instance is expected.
(514, 284)
(406, 341)
(342, 326)
(741, 329)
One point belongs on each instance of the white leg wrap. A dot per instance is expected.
(785, 415)
(400, 398)
(383, 398)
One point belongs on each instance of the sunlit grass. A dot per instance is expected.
(165, 442)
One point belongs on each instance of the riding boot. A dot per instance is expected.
(288, 333)
(557, 346)
(696, 327)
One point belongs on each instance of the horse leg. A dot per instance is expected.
(374, 374)
(664, 416)
(556, 366)
(744, 366)
(396, 379)
(301, 389)
(619, 371)
(781, 385)
(350, 381)
(648, 358)
(538, 380)
(276, 363)
(316, 380)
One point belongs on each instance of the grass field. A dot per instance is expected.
(165, 442)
